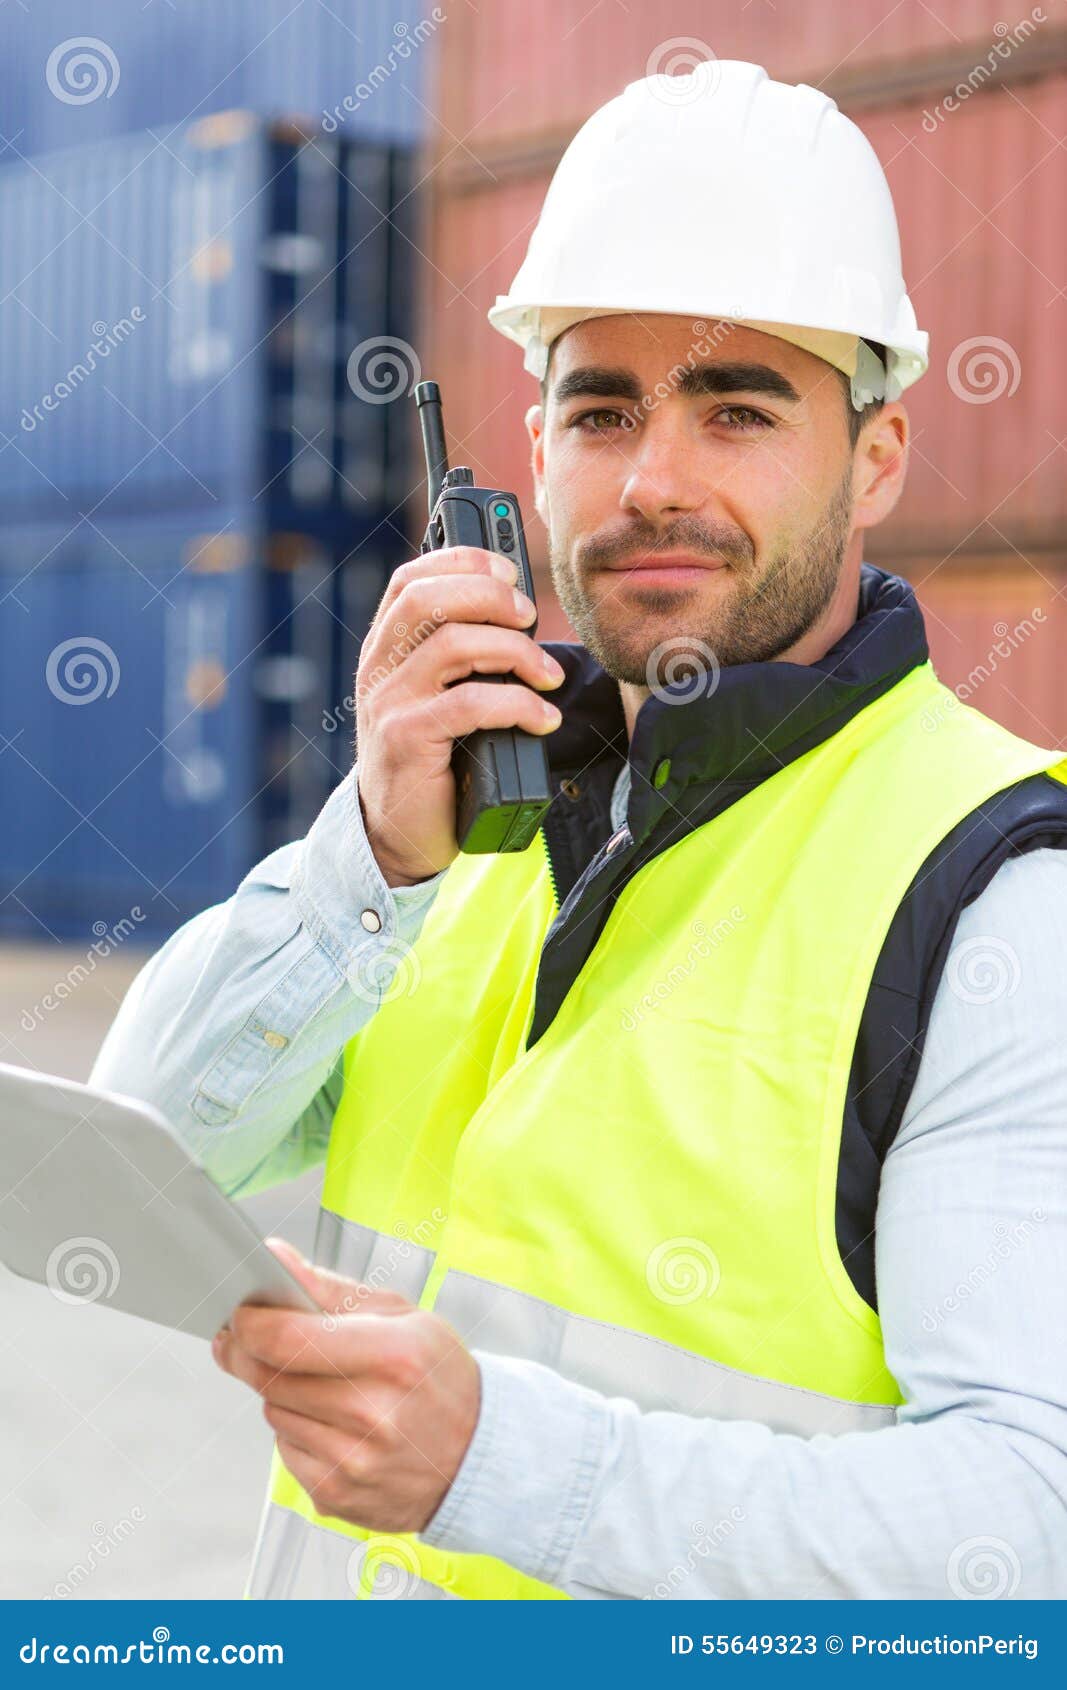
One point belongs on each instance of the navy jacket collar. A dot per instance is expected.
(758, 717)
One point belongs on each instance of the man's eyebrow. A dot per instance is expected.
(599, 380)
(603, 382)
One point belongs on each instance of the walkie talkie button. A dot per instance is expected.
(506, 545)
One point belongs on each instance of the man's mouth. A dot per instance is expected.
(666, 566)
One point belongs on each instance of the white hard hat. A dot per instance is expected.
(723, 195)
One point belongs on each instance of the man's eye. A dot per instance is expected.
(603, 421)
(741, 417)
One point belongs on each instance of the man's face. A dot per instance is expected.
(720, 454)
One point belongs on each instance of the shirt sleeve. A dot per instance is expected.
(235, 1029)
(966, 1494)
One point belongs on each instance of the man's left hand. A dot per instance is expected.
(373, 1403)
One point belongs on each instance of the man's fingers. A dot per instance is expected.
(475, 704)
(452, 560)
(324, 1443)
(425, 606)
(339, 1347)
(334, 1402)
(462, 649)
(309, 1471)
(235, 1360)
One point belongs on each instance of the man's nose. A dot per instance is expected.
(664, 476)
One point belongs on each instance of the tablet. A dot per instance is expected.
(101, 1202)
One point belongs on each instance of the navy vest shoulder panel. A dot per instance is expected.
(889, 1046)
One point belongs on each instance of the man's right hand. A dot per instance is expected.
(444, 615)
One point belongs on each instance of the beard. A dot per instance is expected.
(754, 623)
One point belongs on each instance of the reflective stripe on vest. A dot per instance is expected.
(651, 1373)
(606, 1358)
(377, 1259)
(646, 1198)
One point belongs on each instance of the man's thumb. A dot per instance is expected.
(333, 1292)
(328, 1289)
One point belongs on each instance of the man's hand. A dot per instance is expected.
(373, 1403)
(446, 621)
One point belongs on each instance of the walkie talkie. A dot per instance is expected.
(502, 776)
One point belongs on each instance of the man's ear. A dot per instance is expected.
(880, 465)
(535, 428)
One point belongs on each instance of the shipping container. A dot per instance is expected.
(997, 633)
(157, 66)
(359, 580)
(515, 82)
(172, 708)
(176, 323)
(365, 328)
(982, 201)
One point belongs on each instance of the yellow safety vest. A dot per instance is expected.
(645, 1199)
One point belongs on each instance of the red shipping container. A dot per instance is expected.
(997, 635)
(512, 77)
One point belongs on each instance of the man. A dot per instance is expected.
(693, 1214)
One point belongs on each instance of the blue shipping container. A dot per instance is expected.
(170, 701)
(173, 321)
(128, 65)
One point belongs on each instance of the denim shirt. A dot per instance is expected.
(235, 1031)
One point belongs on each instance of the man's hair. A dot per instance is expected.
(854, 418)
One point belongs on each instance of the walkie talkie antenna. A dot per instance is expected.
(432, 423)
